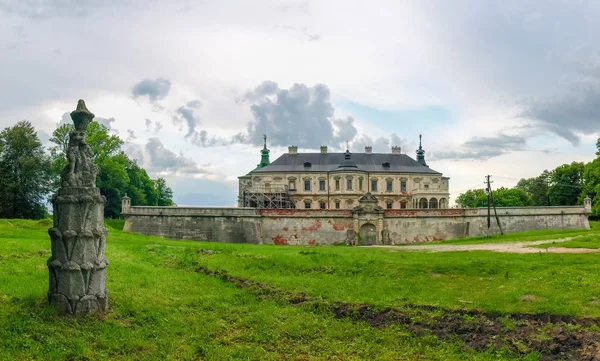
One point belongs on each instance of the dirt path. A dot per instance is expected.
(508, 247)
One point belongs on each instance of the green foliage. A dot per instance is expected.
(591, 183)
(472, 198)
(503, 197)
(536, 188)
(164, 192)
(25, 173)
(118, 175)
(566, 184)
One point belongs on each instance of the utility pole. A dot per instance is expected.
(490, 201)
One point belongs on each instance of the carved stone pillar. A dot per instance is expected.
(77, 266)
(380, 229)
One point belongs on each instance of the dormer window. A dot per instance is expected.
(307, 165)
(385, 164)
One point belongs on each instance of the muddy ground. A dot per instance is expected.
(554, 337)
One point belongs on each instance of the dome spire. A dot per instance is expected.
(264, 154)
(421, 153)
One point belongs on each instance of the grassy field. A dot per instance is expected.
(527, 236)
(208, 301)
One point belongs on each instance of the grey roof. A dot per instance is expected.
(399, 163)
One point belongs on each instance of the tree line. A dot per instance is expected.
(566, 185)
(30, 173)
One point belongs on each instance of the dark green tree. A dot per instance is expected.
(591, 182)
(472, 198)
(25, 173)
(566, 184)
(511, 197)
(165, 194)
(141, 188)
(503, 197)
(118, 175)
(537, 188)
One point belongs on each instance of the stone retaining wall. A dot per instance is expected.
(312, 227)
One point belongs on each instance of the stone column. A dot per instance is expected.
(380, 229)
(77, 266)
(587, 203)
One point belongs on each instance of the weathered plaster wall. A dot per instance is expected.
(311, 227)
(228, 225)
(305, 227)
(425, 225)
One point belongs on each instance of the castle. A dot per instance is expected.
(337, 180)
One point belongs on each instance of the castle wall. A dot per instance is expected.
(325, 227)
(305, 227)
(425, 225)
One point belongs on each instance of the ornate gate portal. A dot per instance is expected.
(368, 220)
(368, 234)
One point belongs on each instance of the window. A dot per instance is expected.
(403, 186)
(292, 185)
(321, 185)
(307, 185)
(337, 184)
(349, 184)
(337, 205)
(403, 205)
(374, 185)
(426, 186)
(307, 204)
(389, 204)
(360, 184)
(322, 205)
(292, 205)
(388, 186)
(267, 187)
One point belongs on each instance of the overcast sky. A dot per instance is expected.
(507, 88)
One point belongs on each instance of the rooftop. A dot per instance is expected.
(330, 162)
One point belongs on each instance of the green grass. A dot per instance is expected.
(588, 241)
(160, 309)
(529, 236)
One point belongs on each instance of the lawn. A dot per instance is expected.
(180, 300)
(527, 236)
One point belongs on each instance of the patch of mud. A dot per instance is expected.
(555, 337)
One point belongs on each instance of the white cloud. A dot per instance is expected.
(516, 67)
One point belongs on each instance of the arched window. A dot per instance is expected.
(423, 203)
(443, 203)
(389, 204)
(402, 205)
(433, 203)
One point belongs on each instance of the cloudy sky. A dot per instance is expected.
(507, 88)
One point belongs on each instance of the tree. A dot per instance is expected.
(591, 182)
(536, 188)
(25, 173)
(511, 197)
(165, 194)
(141, 188)
(472, 198)
(566, 184)
(503, 197)
(118, 175)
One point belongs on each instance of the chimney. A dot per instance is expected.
(368, 149)
(396, 149)
(293, 149)
(323, 149)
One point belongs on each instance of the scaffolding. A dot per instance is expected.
(276, 196)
